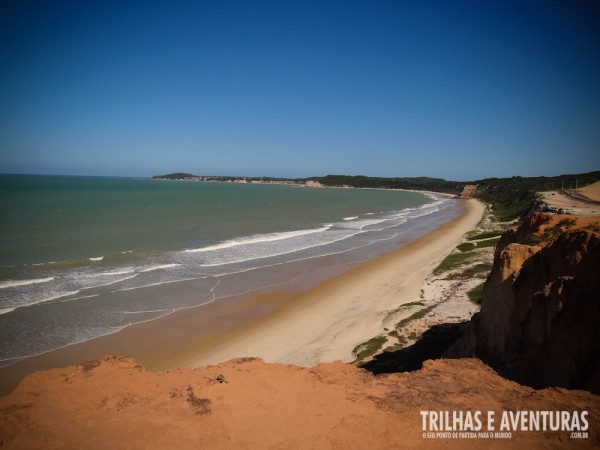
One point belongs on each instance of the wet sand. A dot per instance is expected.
(326, 323)
(323, 324)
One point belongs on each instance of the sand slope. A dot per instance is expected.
(592, 191)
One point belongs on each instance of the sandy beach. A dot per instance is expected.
(326, 323)
(322, 324)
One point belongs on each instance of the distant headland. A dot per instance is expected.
(182, 176)
(510, 197)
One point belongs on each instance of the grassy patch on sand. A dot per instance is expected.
(488, 243)
(402, 341)
(369, 348)
(475, 294)
(477, 271)
(452, 262)
(404, 306)
(408, 305)
(466, 247)
(485, 235)
(374, 345)
(419, 314)
(455, 260)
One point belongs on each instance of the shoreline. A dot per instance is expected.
(326, 323)
(279, 324)
(448, 298)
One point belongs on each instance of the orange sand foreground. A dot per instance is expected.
(246, 403)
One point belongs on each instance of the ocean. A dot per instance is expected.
(82, 257)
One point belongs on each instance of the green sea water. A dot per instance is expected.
(58, 218)
(81, 257)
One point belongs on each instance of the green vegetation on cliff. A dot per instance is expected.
(510, 197)
(174, 176)
(415, 183)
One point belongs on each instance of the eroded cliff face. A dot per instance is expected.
(540, 314)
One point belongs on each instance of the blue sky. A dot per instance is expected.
(460, 90)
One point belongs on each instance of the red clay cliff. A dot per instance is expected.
(540, 310)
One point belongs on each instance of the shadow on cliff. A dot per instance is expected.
(432, 345)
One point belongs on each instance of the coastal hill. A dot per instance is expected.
(510, 197)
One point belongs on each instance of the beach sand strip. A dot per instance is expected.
(322, 324)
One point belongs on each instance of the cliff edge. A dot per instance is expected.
(540, 310)
(246, 403)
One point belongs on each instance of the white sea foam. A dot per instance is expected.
(262, 255)
(37, 302)
(390, 224)
(249, 269)
(74, 299)
(157, 267)
(108, 283)
(362, 223)
(14, 283)
(54, 297)
(270, 237)
(253, 247)
(159, 284)
(98, 258)
(124, 271)
(366, 223)
(148, 311)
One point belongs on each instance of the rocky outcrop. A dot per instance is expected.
(314, 184)
(468, 191)
(246, 403)
(540, 311)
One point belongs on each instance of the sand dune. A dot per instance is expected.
(592, 191)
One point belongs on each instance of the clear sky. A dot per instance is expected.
(460, 90)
